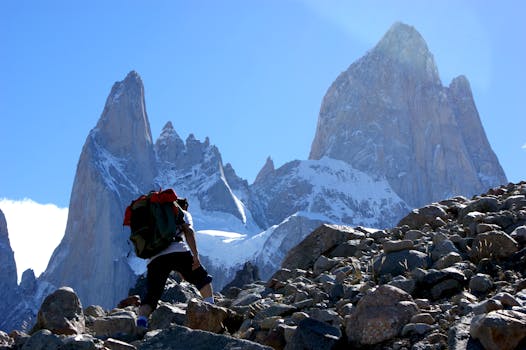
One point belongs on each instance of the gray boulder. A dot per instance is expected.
(61, 313)
(380, 315)
(312, 334)
(183, 338)
(499, 330)
(400, 262)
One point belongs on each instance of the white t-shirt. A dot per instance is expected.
(180, 246)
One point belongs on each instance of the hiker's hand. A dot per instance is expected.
(196, 263)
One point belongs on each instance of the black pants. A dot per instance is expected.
(160, 268)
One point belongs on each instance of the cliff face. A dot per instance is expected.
(389, 116)
(116, 163)
(8, 275)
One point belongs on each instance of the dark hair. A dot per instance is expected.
(183, 203)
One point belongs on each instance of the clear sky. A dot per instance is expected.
(249, 74)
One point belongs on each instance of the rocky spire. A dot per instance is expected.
(169, 146)
(8, 274)
(116, 164)
(267, 169)
(389, 116)
(405, 47)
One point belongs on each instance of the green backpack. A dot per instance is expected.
(155, 221)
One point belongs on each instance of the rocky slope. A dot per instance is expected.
(389, 115)
(451, 275)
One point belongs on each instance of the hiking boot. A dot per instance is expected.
(142, 322)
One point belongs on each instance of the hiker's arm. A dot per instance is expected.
(189, 236)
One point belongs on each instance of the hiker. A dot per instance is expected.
(180, 256)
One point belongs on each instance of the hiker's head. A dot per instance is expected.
(183, 203)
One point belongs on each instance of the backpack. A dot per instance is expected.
(155, 221)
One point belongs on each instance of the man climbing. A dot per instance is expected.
(180, 256)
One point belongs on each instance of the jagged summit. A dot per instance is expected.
(389, 116)
(124, 120)
(402, 46)
(267, 169)
(403, 41)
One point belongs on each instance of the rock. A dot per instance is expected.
(406, 284)
(327, 316)
(321, 240)
(481, 228)
(270, 322)
(115, 325)
(380, 315)
(205, 316)
(82, 342)
(482, 205)
(515, 202)
(423, 318)
(42, 340)
(61, 313)
(94, 311)
(413, 235)
(486, 306)
(480, 283)
(275, 337)
(395, 246)
(179, 292)
(443, 248)
(165, 315)
(282, 274)
(495, 244)
(183, 338)
(114, 344)
(312, 334)
(246, 299)
(399, 263)
(504, 219)
(448, 260)
(499, 330)
(506, 299)
(417, 328)
(275, 309)
(519, 234)
(323, 264)
(441, 283)
(432, 215)
(459, 337)
(446, 288)
(344, 249)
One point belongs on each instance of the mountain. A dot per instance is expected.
(389, 116)
(384, 142)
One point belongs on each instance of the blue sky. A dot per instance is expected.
(250, 75)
